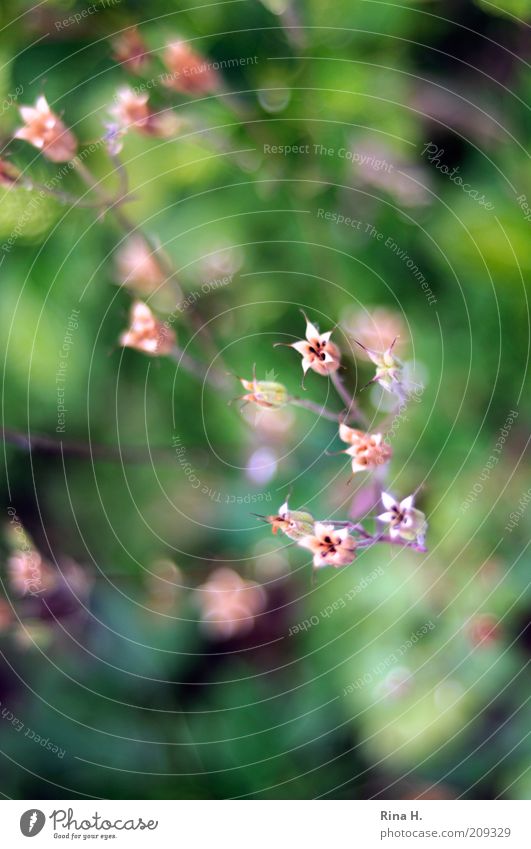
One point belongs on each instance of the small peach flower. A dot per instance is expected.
(406, 522)
(368, 450)
(296, 524)
(318, 353)
(229, 604)
(45, 130)
(484, 629)
(330, 546)
(9, 174)
(264, 393)
(130, 49)
(138, 267)
(132, 112)
(189, 72)
(146, 333)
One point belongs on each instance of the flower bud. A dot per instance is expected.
(265, 393)
(296, 524)
(229, 604)
(388, 369)
(9, 174)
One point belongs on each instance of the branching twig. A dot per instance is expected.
(38, 442)
(352, 409)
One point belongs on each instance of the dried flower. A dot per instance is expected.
(45, 130)
(368, 450)
(264, 393)
(146, 333)
(388, 369)
(138, 267)
(130, 49)
(406, 522)
(189, 73)
(318, 353)
(296, 524)
(132, 112)
(330, 546)
(229, 604)
(9, 173)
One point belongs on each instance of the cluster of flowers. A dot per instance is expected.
(186, 73)
(336, 543)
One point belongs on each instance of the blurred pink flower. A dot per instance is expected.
(45, 131)
(189, 72)
(132, 112)
(376, 329)
(29, 573)
(229, 604)
(146, 333)
(138, 267)
(130, 49)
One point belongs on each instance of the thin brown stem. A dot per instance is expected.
(353, 411)
(319, 410)
(208, 375)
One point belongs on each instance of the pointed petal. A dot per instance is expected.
(311, 331)
(23, 133)
(407, 503)
(388, 501)
(385, 517)
(42, 104)
(325, 337)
